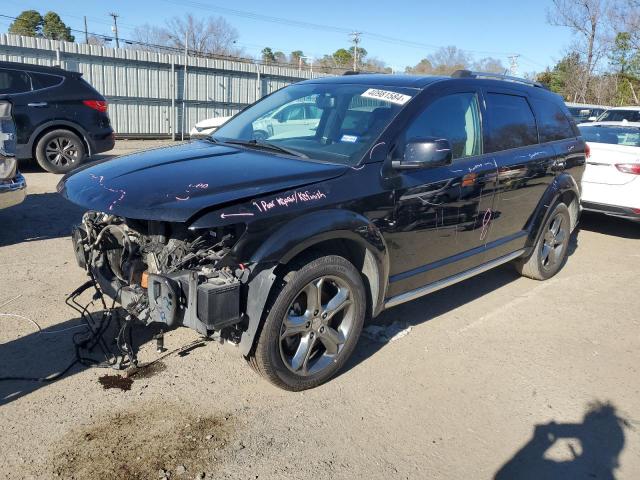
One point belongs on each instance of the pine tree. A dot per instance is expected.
(55, 29)
(28, 23)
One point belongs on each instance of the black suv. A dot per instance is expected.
(283, 246)
(61, 120)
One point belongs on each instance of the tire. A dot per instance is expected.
(60, 151)
(550, 252)
(302, 345)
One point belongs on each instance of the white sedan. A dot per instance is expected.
(206, 127)
(610, 183)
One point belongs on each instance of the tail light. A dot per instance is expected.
(99, 105)
(587, 151)
(632, 168)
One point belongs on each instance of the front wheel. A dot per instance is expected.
(313, 324)
(550, 252)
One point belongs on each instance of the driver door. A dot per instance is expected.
(443, 213)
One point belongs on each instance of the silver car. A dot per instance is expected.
(13, 186)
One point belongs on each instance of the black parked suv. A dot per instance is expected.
(61, 120)
(283, 246)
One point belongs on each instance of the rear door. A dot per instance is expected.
(523, 167)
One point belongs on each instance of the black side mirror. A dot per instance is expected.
(424, 153)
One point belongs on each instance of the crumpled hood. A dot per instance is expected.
(175, 183)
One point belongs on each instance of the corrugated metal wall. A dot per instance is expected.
(145, 90)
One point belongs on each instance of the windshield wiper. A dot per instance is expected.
(261, 144)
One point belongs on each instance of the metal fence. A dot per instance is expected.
(146, 91)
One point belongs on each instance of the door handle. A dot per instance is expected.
(38, 104)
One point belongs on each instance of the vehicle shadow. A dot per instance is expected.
(608, 225)
(558, 451)
(41, 216)
(45, 353)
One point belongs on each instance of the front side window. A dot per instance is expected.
(14, 81)
(324, 121)
(552, 122)
(512, 123)
(454, 117)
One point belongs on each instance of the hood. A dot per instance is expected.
(211, 122)
(175, 183)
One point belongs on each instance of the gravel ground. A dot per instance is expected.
(499, 375)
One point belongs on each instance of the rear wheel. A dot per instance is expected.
(550, 252)
(60, 151)
(313, 325)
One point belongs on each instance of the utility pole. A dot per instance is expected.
(355, 38)
(86, 34)
(184, 84)
(513, 65)
(115, 27)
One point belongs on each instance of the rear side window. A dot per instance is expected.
(512, 123)
(43, 80)
(552, 122)
(455, 117)
(14, 81)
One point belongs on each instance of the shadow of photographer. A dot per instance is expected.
(591, 448)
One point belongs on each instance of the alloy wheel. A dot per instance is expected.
(61, 151)
(317, 325)
(553, 243)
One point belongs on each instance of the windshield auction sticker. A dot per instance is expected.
(386, 96)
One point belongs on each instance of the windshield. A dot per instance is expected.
(331, 122)
(620, 115)
(612, 134)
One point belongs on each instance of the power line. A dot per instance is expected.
(194, 53)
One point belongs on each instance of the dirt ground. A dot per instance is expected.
(500, 376)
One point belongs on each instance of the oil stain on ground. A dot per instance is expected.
(138, 444)
(124, 382)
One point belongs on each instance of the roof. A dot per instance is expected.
(610, 124)
(30, 67)
(423, 81)
(630, 108)
(409, 81)
(585, 105)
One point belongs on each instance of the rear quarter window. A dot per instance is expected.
(553, 124)
(511, 122)
(43, 80)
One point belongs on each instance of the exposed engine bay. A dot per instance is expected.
(163, 272)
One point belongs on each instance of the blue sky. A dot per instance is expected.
(490, 28)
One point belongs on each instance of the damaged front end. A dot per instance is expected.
(162, 272)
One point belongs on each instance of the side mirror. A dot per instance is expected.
(592, 119)
(424, 153)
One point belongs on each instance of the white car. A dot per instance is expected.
(610, 182)
(620, 114)
(297, 119)
(206, 127)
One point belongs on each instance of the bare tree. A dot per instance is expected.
(587, 21)
(211, 35)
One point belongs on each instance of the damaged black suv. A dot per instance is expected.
(281, 234)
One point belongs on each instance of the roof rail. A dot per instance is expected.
(496, 76)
